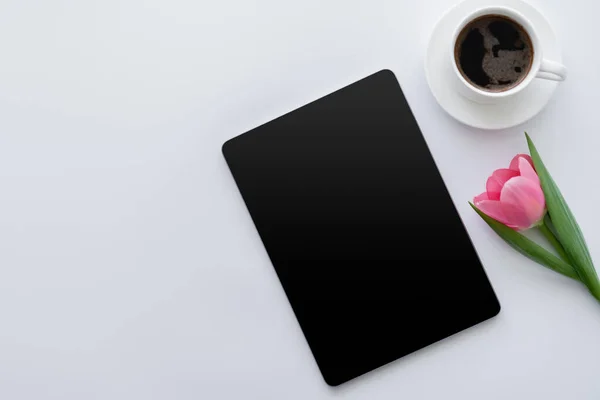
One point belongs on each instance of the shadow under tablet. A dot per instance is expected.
(360, 228)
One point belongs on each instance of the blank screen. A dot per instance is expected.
(359, 226)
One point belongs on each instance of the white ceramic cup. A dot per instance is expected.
(540, 67)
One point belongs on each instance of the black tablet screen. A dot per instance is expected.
(360, 228)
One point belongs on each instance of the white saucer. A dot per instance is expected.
(438, 69)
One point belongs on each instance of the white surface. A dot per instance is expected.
(129, 266)
(496, 114)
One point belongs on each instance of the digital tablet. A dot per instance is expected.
(358, 224)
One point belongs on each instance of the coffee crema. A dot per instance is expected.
(493, 53)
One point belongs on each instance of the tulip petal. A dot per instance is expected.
(514, 163)
(493, 188)
(495, 182)
(481, 197)
(492, 208)
(508, 214)
(527, 171)
(526, 196)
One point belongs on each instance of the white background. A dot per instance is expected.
(129, 266)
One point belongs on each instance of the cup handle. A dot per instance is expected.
(552, 70)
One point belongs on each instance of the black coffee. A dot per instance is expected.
(494, 53)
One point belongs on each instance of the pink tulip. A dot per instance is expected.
(514, 196)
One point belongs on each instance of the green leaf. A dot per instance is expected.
(545, 228)
(528, 247)
(568, 231)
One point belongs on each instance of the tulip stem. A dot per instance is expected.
(554, 241)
